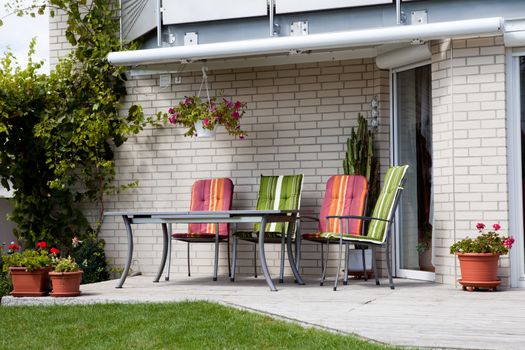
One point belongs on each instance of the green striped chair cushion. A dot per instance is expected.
(279, 192)
(385, 203)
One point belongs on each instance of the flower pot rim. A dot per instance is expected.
(54, 273)
(23, 268)
(476, 254)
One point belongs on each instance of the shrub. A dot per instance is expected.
(90, 257)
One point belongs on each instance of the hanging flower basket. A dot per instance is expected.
(201, 118)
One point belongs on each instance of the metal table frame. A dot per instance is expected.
(213, 217)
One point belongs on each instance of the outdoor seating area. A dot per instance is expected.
(277, 218)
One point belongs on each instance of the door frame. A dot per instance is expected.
(394, 152)
(517, 254)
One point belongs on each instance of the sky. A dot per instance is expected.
(17, 32)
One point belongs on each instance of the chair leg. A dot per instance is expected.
(338, 263)
(281, 267)
(364, 264)
(216, 261)
(389, 264)
(374, 265)
(234, 263)
(255, 260)
(229, 258)
(188, 258)
(345, 278)
(324, 261)
(298, 242)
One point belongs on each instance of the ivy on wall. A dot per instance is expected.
(58, 131)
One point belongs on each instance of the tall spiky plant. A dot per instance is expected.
(360, 159)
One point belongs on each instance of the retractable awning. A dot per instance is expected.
(294, 44)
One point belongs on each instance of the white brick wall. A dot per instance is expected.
(298, 120)
(470, 163)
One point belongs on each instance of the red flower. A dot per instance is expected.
(41, 245)
(173, 118)
(480, 226)
(496, 227)
(206, 122)
(508, 242)
(54, 251)
(171, 110)
(235, 115)
(14, 247)
(237, 105)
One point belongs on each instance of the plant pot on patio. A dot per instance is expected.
(65, 284)
(479, 257)
(66, 278)
(479, 270)
(29, 283)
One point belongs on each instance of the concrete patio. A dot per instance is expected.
(416, 314)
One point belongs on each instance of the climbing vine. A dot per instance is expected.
(58, 131)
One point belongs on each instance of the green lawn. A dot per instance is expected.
(187, 325)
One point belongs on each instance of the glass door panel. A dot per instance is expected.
(413, 116)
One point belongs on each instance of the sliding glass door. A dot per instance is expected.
(413, 146)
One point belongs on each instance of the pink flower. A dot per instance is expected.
(508, 242)
(235, 115)
(206, 122)
(241, 136)
(171, 110)
(237, 105)
(480, 226)
(187, 101)
(229, 104)
(173, 118)
(75, 242)
(496, 227)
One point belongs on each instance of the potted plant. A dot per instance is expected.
(202, 117)
(28, 270)
(478, 257)
(65, 278)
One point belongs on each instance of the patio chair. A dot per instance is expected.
(379, 224)
(275, 192)
(208, 195)
(344, 195)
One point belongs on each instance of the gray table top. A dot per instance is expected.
(215, 214)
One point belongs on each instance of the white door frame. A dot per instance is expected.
(517, 253)
(399, 272)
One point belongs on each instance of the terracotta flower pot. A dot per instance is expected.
(479, 270)
(65, 284)
(29, 283)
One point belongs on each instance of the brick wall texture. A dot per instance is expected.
(298, 119)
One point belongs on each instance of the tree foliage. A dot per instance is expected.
(58, 131)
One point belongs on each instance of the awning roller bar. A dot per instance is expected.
(336, 40)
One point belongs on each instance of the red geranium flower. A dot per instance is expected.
(480, 226)
(41, 245)
(54, 251)
(496, 227)
(14, 247)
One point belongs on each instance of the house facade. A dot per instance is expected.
(440, 83)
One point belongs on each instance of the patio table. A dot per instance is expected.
(210, 217)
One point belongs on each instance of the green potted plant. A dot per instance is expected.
(28, 270)
(478, 257)
(65, 277)
(202, 117)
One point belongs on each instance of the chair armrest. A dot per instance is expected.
(308, 218)
(366, 218)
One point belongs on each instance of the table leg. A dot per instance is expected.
(165, 241)
(262, 256)
(127, 224)
(293, 264)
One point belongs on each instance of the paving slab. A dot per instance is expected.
(417, 314)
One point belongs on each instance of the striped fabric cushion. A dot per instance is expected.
(385, 202)
(210, 195)
(345, 195)
(279, 192)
